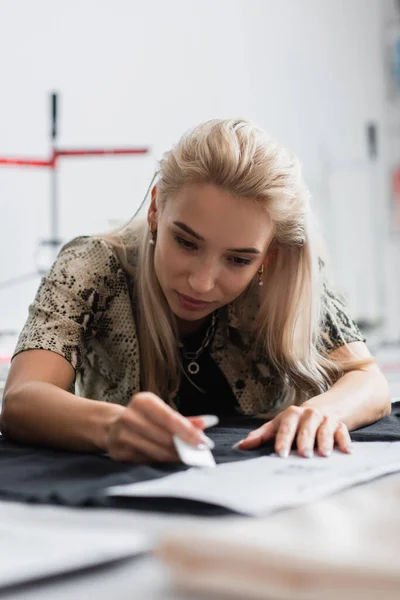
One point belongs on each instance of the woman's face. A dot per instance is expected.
(209, 247)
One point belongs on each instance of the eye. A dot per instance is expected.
(239, 262)
(185, 243)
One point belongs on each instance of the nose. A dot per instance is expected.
(202, 278)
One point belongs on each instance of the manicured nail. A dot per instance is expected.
(308, 453)
(349, 448)
(209, 420)
(201, 446)
(326, 452)
(284, 453)
(207, 441)
(236, 446)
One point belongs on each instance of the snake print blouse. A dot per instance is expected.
(84, 310)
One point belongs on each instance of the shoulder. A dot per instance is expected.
(87, 273)
(89, 252)
(95, 257)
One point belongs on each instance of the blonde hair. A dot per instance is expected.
(240, 158)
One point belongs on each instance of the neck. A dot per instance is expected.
(186, 328)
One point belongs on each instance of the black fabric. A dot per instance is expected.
(32, 474)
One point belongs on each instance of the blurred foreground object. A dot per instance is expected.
(344, 547)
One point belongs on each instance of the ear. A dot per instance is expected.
(152, 213)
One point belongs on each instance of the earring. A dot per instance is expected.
(152, 240)
(260, 275)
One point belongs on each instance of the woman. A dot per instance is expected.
(218, 303)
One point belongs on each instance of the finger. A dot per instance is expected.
(122, 448)
(204, 421)
(197, 422)
(126, 453)
(325, 436)
(141, 450)
(343, 439)
(154, 409)
(310, 421)
(124, 435)
(258, 436)
(137, 425)
(287, 430)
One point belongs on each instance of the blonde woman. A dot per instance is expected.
(216, 303)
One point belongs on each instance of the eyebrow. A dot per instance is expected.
(190, 231)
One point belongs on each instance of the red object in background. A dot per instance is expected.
(101, 151)
(24, 162)
(32, 162)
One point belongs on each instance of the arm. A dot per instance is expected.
(38, 405)
(359, 397)
(37, 408)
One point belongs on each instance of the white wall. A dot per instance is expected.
(140, 73)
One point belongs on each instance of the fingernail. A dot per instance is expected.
(207, 441)
(201, 446)
(209, 420)
(236, 446)
(326, 452)
(349, 448)
(308, 453)
(284, 453)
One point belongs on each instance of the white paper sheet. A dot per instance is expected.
(27, 552)
(261, 485)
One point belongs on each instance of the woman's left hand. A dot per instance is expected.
(308, 426)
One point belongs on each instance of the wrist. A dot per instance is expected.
(327, 405)
(104, 415)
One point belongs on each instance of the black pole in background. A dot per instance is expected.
(53, 117)
(377, 213)
(54, 241)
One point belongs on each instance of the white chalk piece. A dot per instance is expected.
(192, 456)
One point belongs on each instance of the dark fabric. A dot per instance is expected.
(41, 475)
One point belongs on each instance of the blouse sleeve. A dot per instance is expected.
(337, 326)
(70, 299)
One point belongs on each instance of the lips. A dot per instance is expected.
(194, 300)
(192, 303)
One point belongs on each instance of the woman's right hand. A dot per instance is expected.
(142, 431)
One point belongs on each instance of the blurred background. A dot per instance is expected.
(322, 76)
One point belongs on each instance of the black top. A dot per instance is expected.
(206, 392)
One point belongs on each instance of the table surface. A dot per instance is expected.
(143, 577)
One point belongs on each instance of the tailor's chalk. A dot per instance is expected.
(192, 455)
